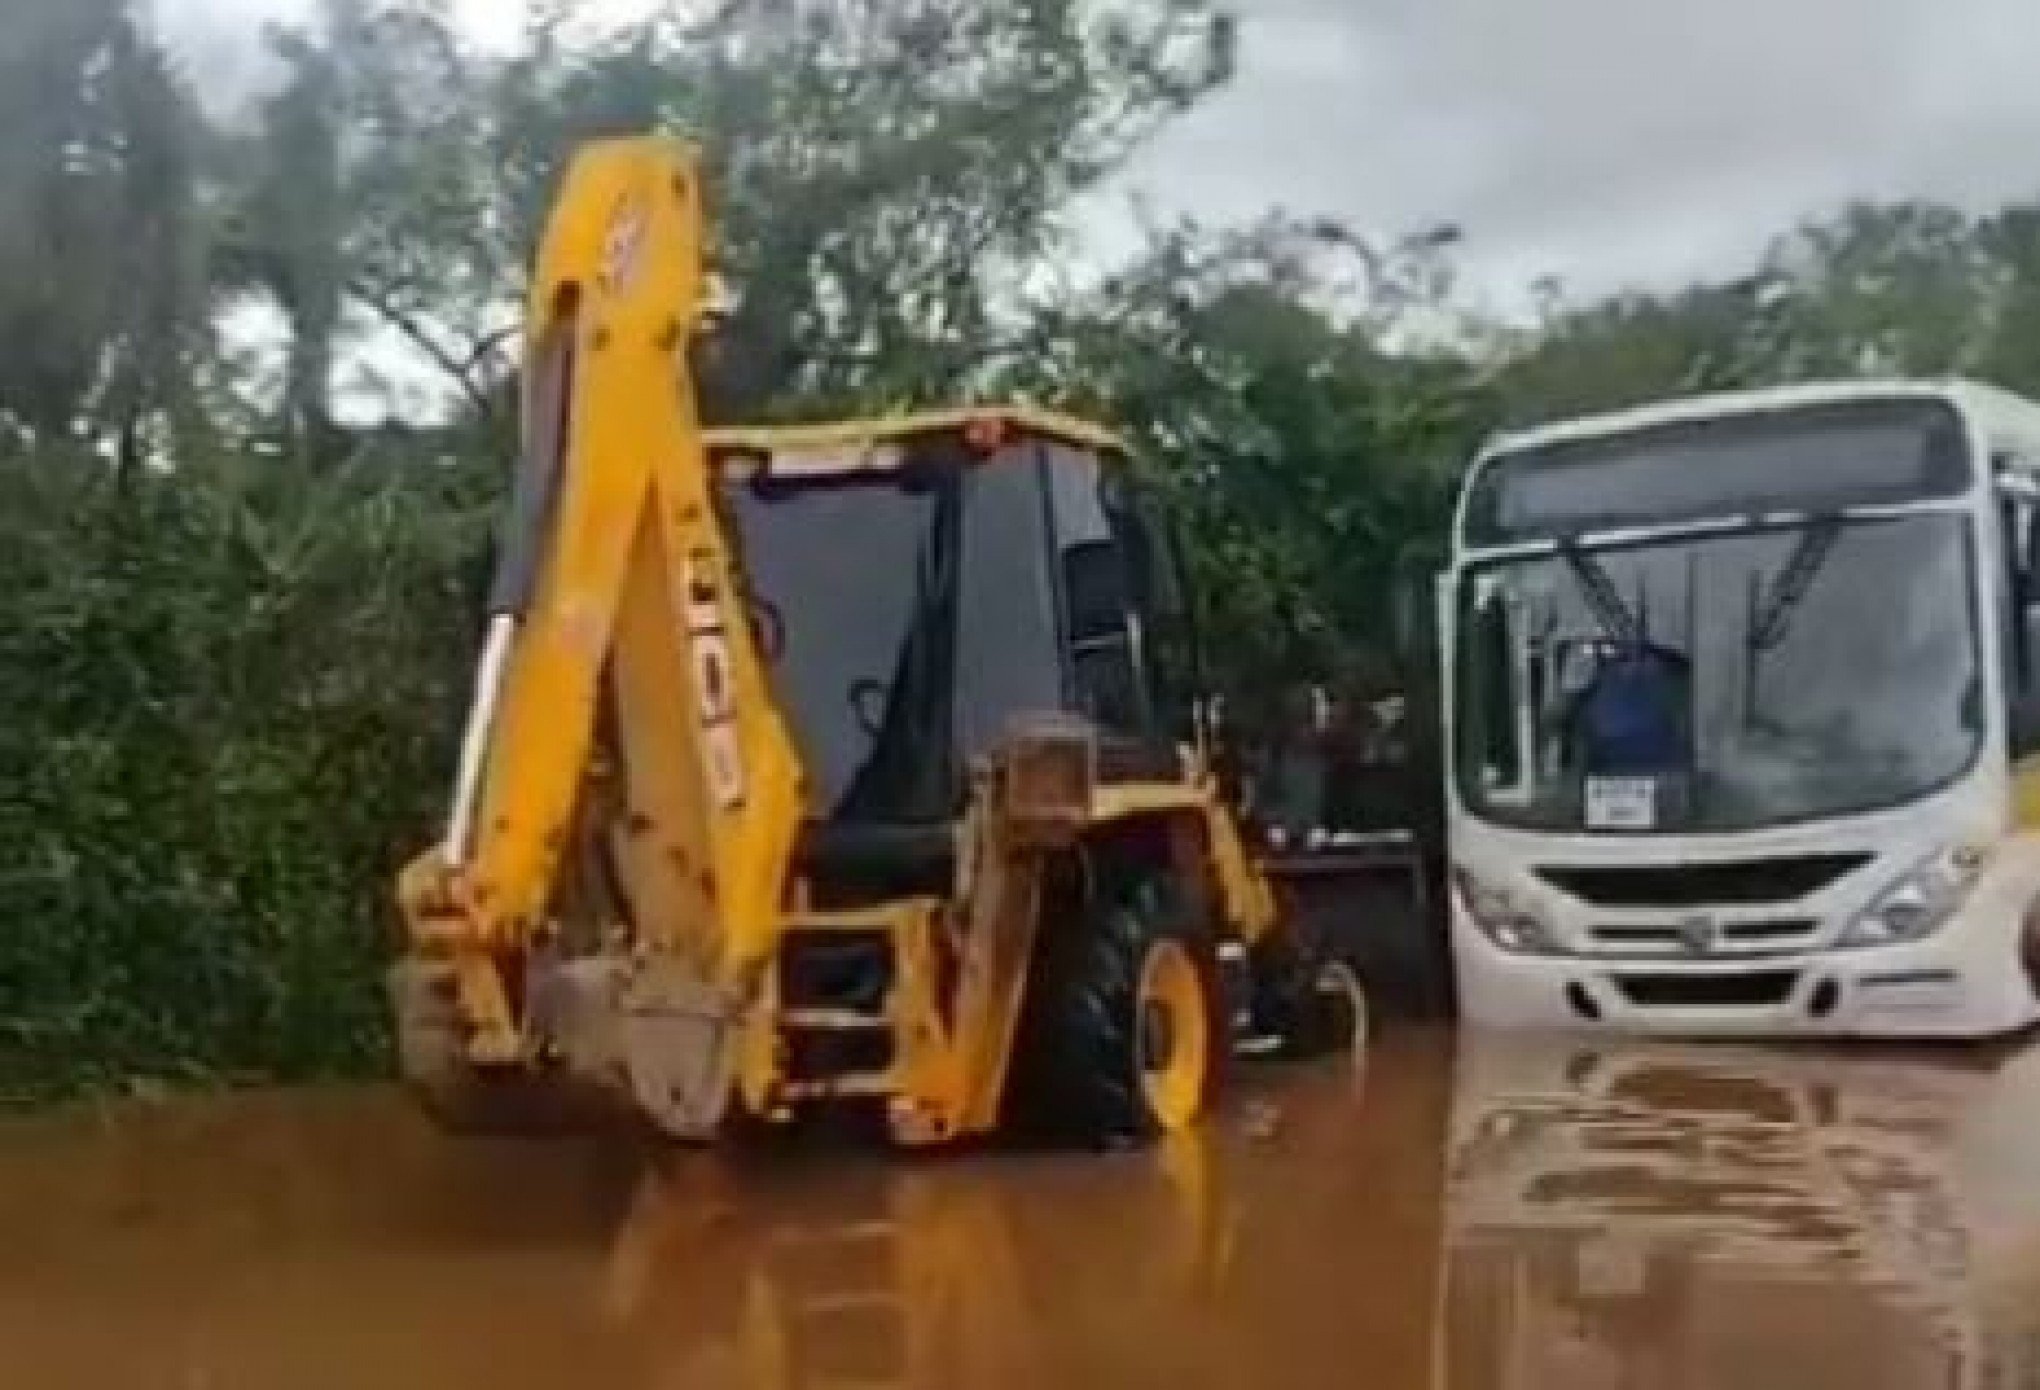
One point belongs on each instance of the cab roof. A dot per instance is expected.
(858, 438)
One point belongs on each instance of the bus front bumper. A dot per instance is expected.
(1939, 987)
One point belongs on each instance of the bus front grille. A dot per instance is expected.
(1743, 938)
(1734, 882)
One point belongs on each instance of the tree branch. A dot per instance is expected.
(412, 327)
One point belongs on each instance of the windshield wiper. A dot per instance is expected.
(1617, 621)
(1773, 613)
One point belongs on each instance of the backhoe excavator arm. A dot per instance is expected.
(616, 594)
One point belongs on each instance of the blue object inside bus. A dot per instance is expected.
(1631, 720)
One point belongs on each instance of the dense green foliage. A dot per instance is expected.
(235, 622)
(222, 686)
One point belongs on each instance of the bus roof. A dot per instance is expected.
(859, 437)
(1962, 392)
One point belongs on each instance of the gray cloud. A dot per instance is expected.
(1609, 141)
(219, 44)
(1612, 141)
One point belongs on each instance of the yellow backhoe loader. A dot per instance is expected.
(824, 768)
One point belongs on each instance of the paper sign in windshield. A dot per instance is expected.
(1621, 803)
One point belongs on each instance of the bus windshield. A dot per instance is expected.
(1720, 681)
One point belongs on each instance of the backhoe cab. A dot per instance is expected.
(824, 767)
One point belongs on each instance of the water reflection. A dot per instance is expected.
(1662, 1215)
(1535, 1215)
(1209, 1262)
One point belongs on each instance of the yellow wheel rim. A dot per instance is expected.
(1171, 1035)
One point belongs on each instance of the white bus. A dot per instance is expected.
(1742, 698)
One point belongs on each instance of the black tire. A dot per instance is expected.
(1077, 1068)
(1308, 996)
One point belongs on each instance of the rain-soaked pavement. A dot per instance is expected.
(1518, 1214)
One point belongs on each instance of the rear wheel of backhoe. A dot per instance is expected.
(1309, 998)
(1124, 1036)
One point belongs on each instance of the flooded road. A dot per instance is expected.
(1469, 1213)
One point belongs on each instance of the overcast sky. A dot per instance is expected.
(1607, 141)
(1613, 140)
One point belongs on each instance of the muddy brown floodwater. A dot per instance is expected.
(1466, 1213)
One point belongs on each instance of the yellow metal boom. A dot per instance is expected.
(617, 607)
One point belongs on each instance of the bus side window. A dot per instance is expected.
(1494, 696)
(2019, 520)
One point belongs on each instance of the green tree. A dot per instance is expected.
(222, 683)
(882, 173)
(2012, 357)
(94, 178)
(1638, 347)
(363, 190)
(1308, 465)
(1898, 289)
(1892, 289)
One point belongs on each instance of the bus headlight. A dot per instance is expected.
(1501, 918)
(1920, 900)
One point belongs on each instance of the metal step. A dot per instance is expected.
(830, 1305)
(878, 1228)
(833, 1020)
(854, 1084)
